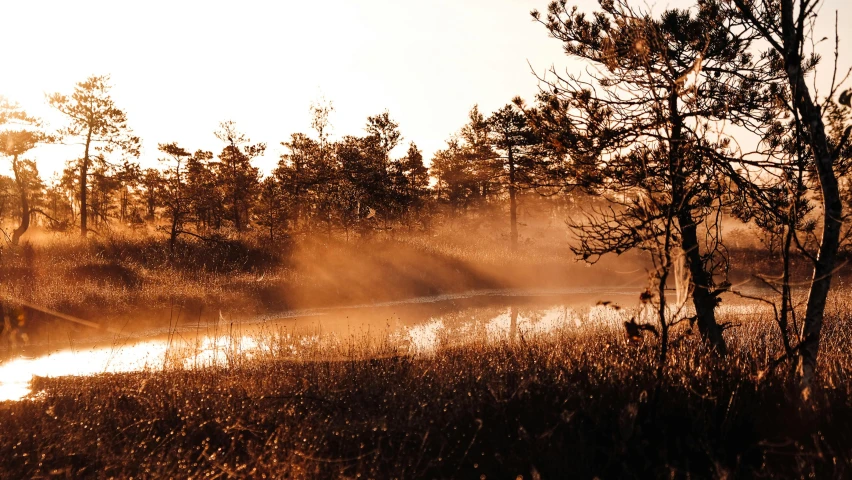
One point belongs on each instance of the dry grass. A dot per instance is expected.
(110, 279)
(570, 404)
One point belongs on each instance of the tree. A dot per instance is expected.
(640, 131)
(174, 191)
(299, 173)
(787, 27)
(8, 195)
(363, 182)
(479, 154)
(307, 174)
(67, 187)
(465, 168)
(273, 207)
(238, 179)
(384, 132)
(98, 125)
(15, 142)
(349, 183)
(375, 188)
(839, 120)
(455, 181)
(206, 202)
(321, 111)
(511, 137)
(103, 188)
(409, 184)
(127, 176)
(151, 182)
(371, 169)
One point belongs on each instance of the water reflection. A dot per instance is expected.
(417, 329)
(15, 375)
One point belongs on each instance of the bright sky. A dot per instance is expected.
(179, 67)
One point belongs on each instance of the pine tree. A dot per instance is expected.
(98, 125)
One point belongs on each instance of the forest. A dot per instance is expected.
(694, 147)
(349, 186)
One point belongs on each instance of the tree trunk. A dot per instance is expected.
(666, 261)
(702, 296)
(513, 203)
(84, 173)
(124, 204)
(832, 208)
(173, 236)
(236, 208)
(25, 204)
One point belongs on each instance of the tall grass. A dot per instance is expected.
(568, 404)
(114, 278)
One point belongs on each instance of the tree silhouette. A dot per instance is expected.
(455, 181)
(16, 141)
(174, 190)
(511, 137)
(97, 124)
(640, 131)
(465, 168)
(127, 175)
(273, 207)
(237, 178)
(363, 182)
(8, 195)
(479, 154)
(206, 202)
(384, 132)
(409, 179)
(151, 182)
(787, 27)
(299, 173)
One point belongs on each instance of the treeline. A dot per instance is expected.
(352, 185)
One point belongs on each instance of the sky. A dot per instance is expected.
(179, 68)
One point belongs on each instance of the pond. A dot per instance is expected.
(412, 327)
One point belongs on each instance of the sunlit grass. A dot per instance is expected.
(550, 394)
(110, 277)
(555, 401)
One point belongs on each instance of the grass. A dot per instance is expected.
(569, 404)
(121, 277)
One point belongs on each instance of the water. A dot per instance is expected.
(417, 326)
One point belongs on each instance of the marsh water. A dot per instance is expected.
(416, 326)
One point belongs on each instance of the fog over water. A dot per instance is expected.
(414, 327)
